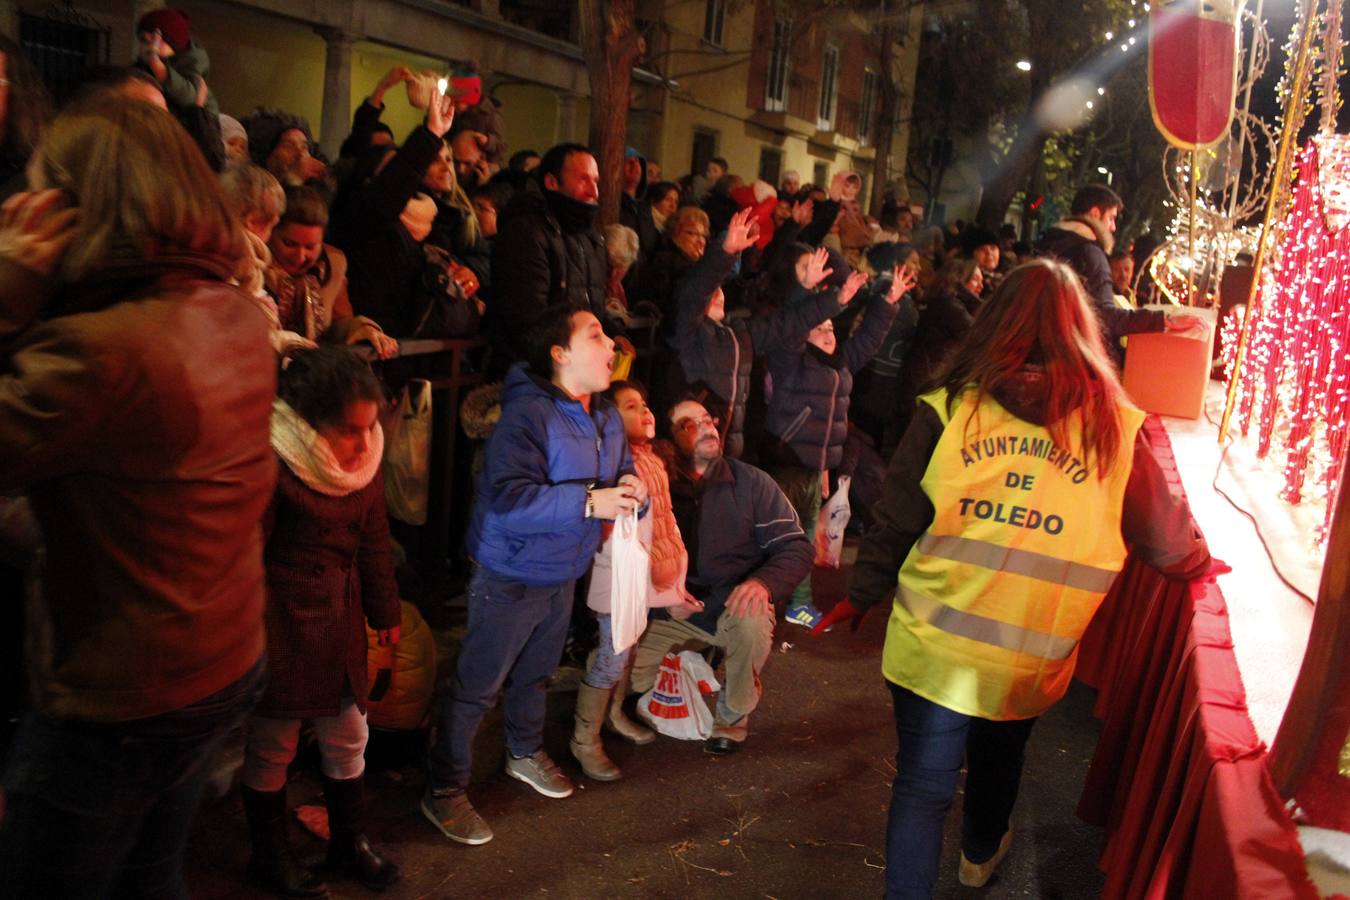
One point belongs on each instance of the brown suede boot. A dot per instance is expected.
(585, 743)
(617, 720)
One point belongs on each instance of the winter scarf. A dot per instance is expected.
(572, 215)
(308, 455)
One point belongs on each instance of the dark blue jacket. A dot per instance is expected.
(736, 524)
(718, 355)
(808, 413)
(529, 521)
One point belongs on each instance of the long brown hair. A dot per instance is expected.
(1040, 316)
(142, 186)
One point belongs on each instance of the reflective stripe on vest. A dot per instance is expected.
(984, 630)
(1019, 562)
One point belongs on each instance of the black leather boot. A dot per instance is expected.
(349, 851)
(273, 866)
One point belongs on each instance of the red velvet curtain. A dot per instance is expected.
(1179, 779)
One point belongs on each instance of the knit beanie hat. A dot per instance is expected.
(231, 128)
(265, 126)
(172, 24)
(467, 84)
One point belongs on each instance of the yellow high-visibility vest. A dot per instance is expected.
(1024, 544)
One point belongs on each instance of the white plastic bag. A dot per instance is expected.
(629, 581)
(675, 706)
(830, 526)
(407, 453)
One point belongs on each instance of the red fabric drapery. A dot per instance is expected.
(1179, 777)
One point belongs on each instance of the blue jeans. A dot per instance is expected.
(933, 742)
(514, 642)
(98, 809)
(606, 667)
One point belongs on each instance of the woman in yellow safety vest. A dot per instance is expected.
(1007, 510)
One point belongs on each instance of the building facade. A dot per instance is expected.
(741, 80)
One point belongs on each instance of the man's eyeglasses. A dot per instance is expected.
(693, 426)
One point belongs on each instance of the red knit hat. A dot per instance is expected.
(172, 24)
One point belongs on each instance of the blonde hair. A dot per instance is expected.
(142, 186)
(1039, 315)
(252, 191)
(683, 216)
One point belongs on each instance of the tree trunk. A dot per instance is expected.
(611, 45)
(1010, 176)
(890, 114)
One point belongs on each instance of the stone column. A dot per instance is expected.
(337, 90)
(567, 117)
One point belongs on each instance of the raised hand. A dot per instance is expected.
(802, 212)
(741, 233)
(440, 114)
(902, 282)
(852, 285)
(396, 75)
(817, 269)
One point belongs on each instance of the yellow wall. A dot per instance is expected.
(260, 60)
(531, 115)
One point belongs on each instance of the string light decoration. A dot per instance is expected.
(1295, 386)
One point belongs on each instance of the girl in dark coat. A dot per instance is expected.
(329, 571)
(715, 355)
(807, 420)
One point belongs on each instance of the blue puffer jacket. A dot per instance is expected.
(529, 521)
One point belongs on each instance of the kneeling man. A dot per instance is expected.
(746, 550)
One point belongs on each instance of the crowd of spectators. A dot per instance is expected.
(162, 261)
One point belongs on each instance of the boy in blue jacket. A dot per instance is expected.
(557, 464)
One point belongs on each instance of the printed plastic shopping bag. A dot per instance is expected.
(407, 453)
(830, 526)
(675, 706)
(629, 581)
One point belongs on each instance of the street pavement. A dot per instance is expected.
(800, 812)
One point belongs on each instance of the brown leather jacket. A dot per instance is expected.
(135, 413)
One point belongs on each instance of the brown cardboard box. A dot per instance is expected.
(1167, 373)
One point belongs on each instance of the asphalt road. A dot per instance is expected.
(799, 813)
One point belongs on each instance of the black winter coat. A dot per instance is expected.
(385, 264)
(330, 569)
(875, 388)
(807, 422)
(717, 356)
(1086, 257)
(537, 262)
